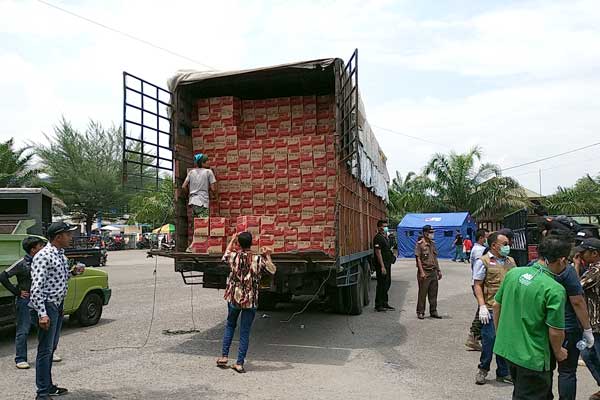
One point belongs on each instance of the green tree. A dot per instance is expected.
(84, 168)
(408, 194)
(15, 166)
(460, 182)
(581, 198)
(154, 208)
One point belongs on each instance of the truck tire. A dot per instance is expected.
(352, 297)
(366, 283)
(90, 310)
(267, 301)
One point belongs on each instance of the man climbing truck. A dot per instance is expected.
(297, 165)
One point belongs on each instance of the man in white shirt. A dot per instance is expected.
(199, 183)
(478, 248)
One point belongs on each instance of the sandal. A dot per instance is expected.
(238, 368)
(222, 362)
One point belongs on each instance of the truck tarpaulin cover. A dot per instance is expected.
(371, 159)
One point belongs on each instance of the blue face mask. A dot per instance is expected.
(386, 229)
(505, 251)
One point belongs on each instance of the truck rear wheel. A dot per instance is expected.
(90, 310)
(352, 298)
(366, 283)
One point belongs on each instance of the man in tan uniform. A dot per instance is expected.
(488, 274)
(428, 273)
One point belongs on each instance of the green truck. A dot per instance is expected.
(25, 212)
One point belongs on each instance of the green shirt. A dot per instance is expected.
(531, 301)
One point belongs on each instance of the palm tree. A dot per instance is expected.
(15, 166)
(408, 194)
(461, 183)
(582, 198)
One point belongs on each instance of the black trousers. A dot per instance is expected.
(529, 384)
(383, 286)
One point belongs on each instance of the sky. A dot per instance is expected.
(520, 79)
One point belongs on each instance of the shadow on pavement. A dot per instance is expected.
(313, 337)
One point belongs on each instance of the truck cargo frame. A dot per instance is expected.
(344, 278)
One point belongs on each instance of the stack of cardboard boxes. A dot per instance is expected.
(274, 160)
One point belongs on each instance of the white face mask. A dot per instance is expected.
(430, 236)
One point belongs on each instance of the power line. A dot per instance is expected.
(407, 135)
(553, 156)
(120, 32)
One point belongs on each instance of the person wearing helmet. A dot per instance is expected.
(199, 182)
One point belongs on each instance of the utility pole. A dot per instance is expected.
(540, 181)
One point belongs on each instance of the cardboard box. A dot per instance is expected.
(295, 208)
(291, 246)
(320, 206)
(268, 163)
(295, 191)
(279, 246)
(282, 220)
(258, 199)
(316, 246)
(319, 219)
(331, 182)
(291, 234)
(217, 226)
(200, 246)
(267, 222)
(249, 223)
(295, 219)
(316, 233)
(269, 177)
(266, 241)
(260, 131)
(216, 245)
(308, 191)
(320, 175)
(268, 146)
(320, 190)
(283, 196)
(303, 245)
(294, 176)
(306, 144)
(307, 218)
(308, 175)
(304, 233)
(201, 226)
(306, 161)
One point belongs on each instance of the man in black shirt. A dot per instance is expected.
(22, 270)
(383, 266)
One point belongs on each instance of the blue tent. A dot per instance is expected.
(445, 226)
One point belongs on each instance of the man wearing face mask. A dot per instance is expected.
(589, 252)
(428, 273)
(529, 315)
(488, 273)
(383, 266)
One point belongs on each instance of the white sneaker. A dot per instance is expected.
(23, 365)
(56, 358)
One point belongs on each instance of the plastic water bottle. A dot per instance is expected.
(582, 345)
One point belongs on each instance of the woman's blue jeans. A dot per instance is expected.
(247, 318)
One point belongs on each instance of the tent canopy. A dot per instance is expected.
(446, 226)
(168, 228)
(111, 228)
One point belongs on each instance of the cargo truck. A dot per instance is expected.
(296, 164)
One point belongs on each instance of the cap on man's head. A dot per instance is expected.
(200, 157)
(588, 244)
(59, 227)
(427, 228)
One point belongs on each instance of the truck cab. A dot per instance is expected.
(26, 212)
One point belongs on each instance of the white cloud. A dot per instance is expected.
(513, 126)
(547, 39)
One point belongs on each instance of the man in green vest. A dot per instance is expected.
(488, 273)
(529, 313)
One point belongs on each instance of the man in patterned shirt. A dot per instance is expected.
(50, 274)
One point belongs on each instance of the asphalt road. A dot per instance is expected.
(315, 356)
